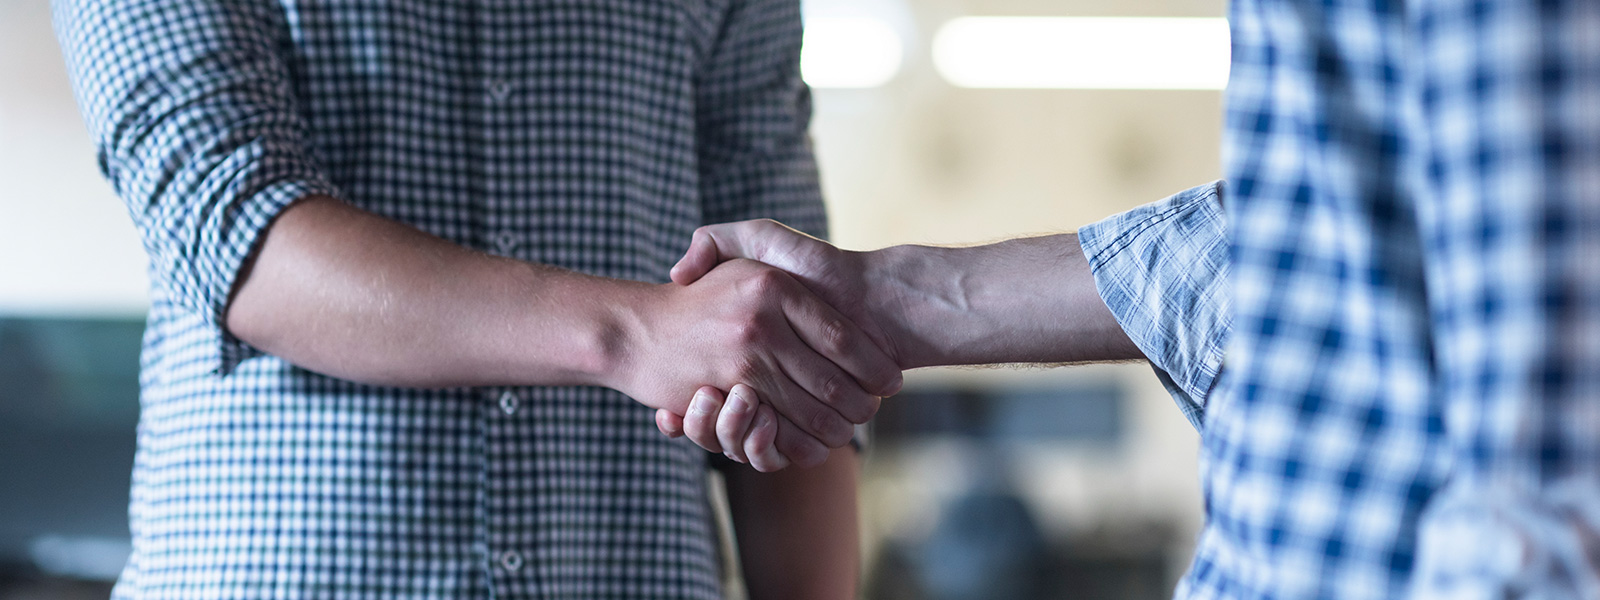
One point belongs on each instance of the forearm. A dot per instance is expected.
(798, 530)
(344, 292)
(1026, 300)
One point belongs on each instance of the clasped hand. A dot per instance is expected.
(814, 392)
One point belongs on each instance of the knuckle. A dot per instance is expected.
(831, 429)
(767, 280)
(833, 390)
(749, 331)
(835, 335)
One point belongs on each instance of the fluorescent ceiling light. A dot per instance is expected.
(849, 52)
(1084, 53)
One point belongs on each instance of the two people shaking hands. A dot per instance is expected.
(1026, 300)
(768, 346)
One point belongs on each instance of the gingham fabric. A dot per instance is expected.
(1410, 397)
(590, 134)
(1180, 317)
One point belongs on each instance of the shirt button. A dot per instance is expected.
(499, 89)
(506, 241)
(511, 561)
(508, 403)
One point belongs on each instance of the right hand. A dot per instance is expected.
(836, 276)
(747, 323)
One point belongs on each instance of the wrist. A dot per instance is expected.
(565, 332)
(620, 337)
(911, 296)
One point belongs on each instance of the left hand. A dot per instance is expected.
(738, 425)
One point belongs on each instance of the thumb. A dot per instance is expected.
(701, 257)
(713, 244)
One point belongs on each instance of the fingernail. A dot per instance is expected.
(737, 402)
(701, 404)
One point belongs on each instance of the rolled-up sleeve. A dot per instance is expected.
(1162, 269)
(196, 126)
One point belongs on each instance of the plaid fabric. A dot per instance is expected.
(1411, 400)
(1180, 318)
(590, 134)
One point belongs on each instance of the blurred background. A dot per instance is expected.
(937, 122)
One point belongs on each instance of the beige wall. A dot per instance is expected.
(66, 244)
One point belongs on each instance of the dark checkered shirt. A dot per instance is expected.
(590, 134)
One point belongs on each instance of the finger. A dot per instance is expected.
(809, 414)
(737, 415)
(713, 244)
(671, 425)
(801, 449)
(704, 421)
(700, 421)
(761, 441)
(828, 383)
(846, 345)
(763, 453)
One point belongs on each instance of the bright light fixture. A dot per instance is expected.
(849, 52)
(1144, 53)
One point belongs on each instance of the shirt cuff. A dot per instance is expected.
(1162, 269)
(253, 218)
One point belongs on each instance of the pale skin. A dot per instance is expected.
(1025, 300)
(340, 291)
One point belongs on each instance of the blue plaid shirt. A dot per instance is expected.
(594, 135)
(1387, 324)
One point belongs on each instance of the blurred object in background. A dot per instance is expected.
(69, 406)
(969, 447)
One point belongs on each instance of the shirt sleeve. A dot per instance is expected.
(195, 124)
(753, 121)
(1509, 215)
(1163, 270)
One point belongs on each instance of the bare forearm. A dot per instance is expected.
(343, 292)
(798, 530)
(1026, 300)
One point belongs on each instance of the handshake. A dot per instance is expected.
(796, 341)
(792, 348)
